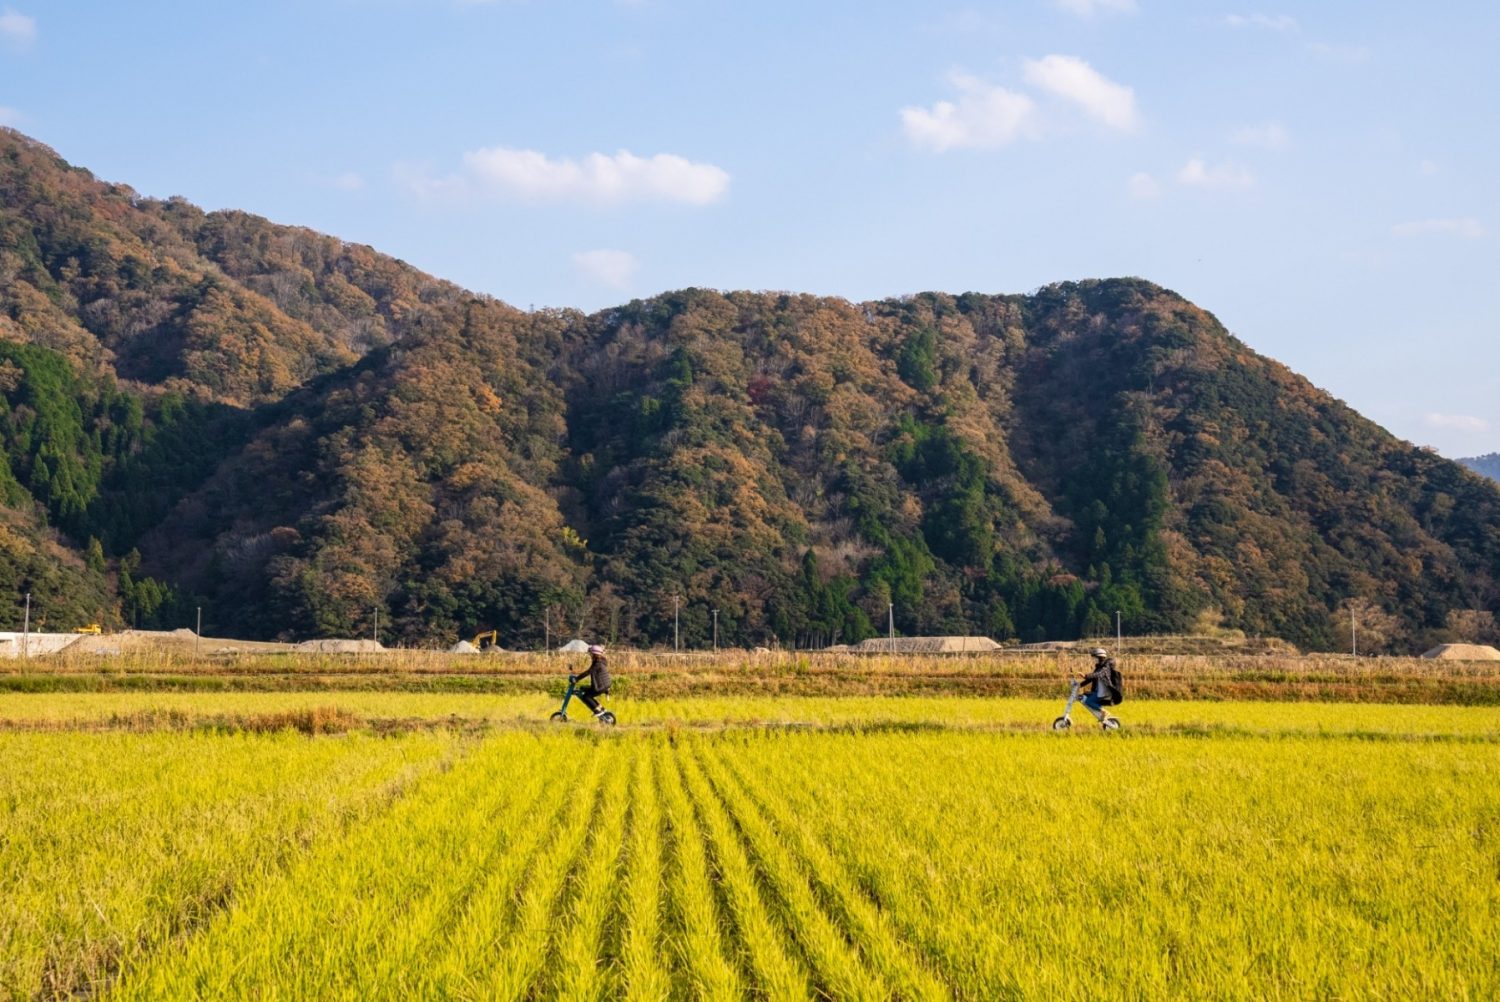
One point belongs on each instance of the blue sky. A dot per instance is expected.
(1324, 177)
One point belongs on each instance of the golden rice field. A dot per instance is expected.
(861, 848)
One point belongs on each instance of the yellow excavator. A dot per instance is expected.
(484, 641)
(93, 628)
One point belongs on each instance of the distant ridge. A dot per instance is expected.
(302, 436)
(1488, 466)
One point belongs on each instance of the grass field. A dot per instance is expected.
(171, 845)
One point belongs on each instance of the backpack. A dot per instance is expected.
(1116, 685)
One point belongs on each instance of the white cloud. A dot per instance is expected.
(1088, 8)
(1266, 22)
(614, 268)
(985, 116)
(1456, 422)
(598, 178)
(1271, 136)
(17, 28)
(1074, 80)
(1339, 53)
(1222, 176)
(1143, 186)
(9, 116)
(349, 181)
(1466, 226)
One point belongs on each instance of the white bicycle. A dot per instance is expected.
(1065, 721)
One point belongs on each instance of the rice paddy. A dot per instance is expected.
(715, 848)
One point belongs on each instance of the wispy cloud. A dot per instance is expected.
(16, 28)
(1221, 176)
(1456, 422)
(966, 22)
(1088, 8)
(1072, 79)
(983, 117)
(614, 268)
(1265, 22)
(598, 178)
(1466, 226)
(1271, 136)
(1143, 186)
(349, 181)
(9, 116)
(1349, 54)
(1287, 25)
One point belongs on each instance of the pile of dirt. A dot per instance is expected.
(463, 647)
(1463, 652)
(182, 641)
(134, 640)
(334, 646)
(573, 647)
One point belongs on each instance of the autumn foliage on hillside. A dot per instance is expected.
(301, 435)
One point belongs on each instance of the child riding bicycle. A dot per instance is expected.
(597, 674)
(1098, 686)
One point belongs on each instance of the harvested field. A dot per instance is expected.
(312, 712)
(1000, 674)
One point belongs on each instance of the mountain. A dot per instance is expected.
(300, 435)
(1485, 466)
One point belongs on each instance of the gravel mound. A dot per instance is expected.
(339, 647)
(1463, 652)
(926, 645)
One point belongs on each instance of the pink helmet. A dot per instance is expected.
(596, 648)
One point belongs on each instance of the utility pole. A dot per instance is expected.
(716, 631)
(890, 611)
(676, 624)
(198, 634)
(547, 630)
(26, 630)
(1353, 632)
(377, 625)
(1119, 637)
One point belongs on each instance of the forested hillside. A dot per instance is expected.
(300, 435)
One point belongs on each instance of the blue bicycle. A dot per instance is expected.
(561, 716)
